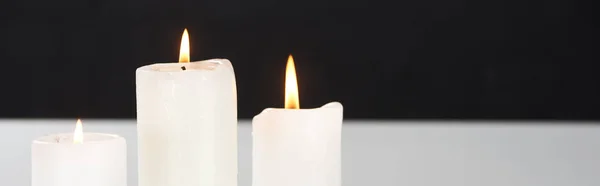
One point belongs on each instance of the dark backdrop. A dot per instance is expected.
(499, 59)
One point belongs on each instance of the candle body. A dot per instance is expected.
(187, 124)
(100, 161)
(297, 147)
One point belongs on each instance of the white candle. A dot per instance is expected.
(187, 123)
(62, 160)
(297, 147)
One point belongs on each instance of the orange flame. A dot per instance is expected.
(78, 134)
(184, 49)
(292, 100)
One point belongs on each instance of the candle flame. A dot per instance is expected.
(292, 100)
(184, 49)
(78, 134)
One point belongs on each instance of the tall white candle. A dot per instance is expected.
(297, 147)
(187, 124)
(61, 160)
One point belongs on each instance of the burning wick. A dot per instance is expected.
(184, 50)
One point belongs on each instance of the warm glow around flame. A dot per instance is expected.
(78, 134)
(292, 100)
(184, 49)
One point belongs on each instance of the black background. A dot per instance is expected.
(469, 59)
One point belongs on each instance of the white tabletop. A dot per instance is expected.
(379, 153)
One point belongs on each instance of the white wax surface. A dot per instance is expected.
(100, 161)
(297, 147)
(187, 124)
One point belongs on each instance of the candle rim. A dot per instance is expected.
(330, 105)
(194, 66)
(109, 138)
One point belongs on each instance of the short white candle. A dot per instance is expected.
(187, 123)
(62, 160)
(297, 147)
